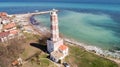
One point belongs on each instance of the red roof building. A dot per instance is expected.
(63, 47)
(9, 26)
(4, 34)
(14, 32)
(3, 14)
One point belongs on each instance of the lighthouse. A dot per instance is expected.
(55, 45)
(54, 41)
(54, 26)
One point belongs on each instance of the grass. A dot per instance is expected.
(31, 50)
(46, 63)
(78, 57)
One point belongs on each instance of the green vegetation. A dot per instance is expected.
(46, 63)
(34, 56)
(78, 57)
(10, 50)
(40, 60)
(36, 60)
(30, 36)
(30, 45)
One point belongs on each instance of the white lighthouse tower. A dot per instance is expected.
(54, 26)
(55, 45)
(55, 41)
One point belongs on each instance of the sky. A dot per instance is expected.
(77, 1)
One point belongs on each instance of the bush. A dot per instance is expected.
(10, 53)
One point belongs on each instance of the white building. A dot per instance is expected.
(1, 27)
(55, 45)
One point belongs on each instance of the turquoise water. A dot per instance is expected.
(86, 27)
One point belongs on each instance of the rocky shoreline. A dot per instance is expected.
(114, 56)
(38, 28)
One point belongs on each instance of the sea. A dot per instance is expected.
(96, 24)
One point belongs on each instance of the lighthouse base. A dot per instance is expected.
(52, 46)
